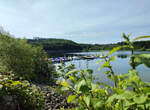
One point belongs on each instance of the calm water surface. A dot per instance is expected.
(120, 65)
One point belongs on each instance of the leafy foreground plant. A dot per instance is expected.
(19, 95)
(128, 93)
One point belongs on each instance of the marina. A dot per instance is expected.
(71, 58)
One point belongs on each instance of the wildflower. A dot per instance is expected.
(80, 97)
(65, 84)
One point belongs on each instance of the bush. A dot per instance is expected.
(24, 60)
(19, 95)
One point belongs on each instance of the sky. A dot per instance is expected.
(83, 21)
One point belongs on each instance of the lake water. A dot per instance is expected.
(120, 65)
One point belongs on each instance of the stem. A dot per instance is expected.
(132, 59)
(132, 62)
(145, 107)
(122, 105)
(86, 105)
(112, 72)
(84, 77)
(87, 84)
(89, 108)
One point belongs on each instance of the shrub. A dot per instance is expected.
(128, 93)
(23, 59)
(19, 94)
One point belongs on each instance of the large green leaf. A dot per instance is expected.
(128, 94)
(71, 98)
(140, 37)
(106, 64)
(117, 90)
(64, 88)
(71, 72)
(112, 58)
(87, 100)
(123, 96)
(141, 99)
(146, 89)
(142, 59)
(126, 37)
(116, 49)
(98, 104)
(94, 87)
(82, 86)
(127, 104)
(111, 98)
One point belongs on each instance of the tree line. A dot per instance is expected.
(63, 45)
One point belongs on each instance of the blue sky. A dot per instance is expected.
(83, 21)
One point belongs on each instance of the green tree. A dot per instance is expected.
(24, 60)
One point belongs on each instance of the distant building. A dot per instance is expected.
(36, 38)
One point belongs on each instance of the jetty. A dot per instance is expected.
(71, 58)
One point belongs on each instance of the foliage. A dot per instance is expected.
(22, 94)
(56, 45)
(61, 45)
(142, 59)
(128, 93)
(23, 59)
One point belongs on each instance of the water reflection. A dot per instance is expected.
(120, 65)
(122, 56)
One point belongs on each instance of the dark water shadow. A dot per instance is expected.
(122, 56)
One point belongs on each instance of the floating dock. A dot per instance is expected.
(71, 58)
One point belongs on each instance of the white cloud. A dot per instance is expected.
(75, 19)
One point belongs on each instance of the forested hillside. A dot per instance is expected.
(62, 45)
(56, 45)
